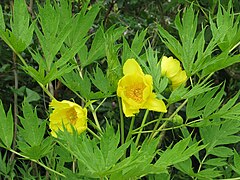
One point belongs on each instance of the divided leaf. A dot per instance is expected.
(6, 127)
(102, 82)
(97, 158)
(216, 135)
(32, 133)
(20, 36)
(180, 152)
(236, 159)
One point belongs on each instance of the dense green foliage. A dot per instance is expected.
(75, 50)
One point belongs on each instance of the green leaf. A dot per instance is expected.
(236, 159)
(6, 166)
(102, 158)
(82, 22)
(154, 69)
(187, 50)
(187, 30)
(196, 104)
(114, 72)
(220, 61)
(138, 42)
(180, 152)
(78, 84)
(56, 73)
(20, 22)
(96, 160)
(36, 151)
(102, 82)
(32, 129)
(208, 174)
(222, 151)
(226, 33)
(2, 23)
(185, 93)
(6, 126)
(32, 95)
(213, 103)
(32, 142)
(161, 176)
(109, 147)
(50, 34)
(136, 46)
(220, 134)
(172, 43)
(228, 110)
(139, 159)
(229, 25)
(185, 167)
(97, 49)
(20, 36)
(216, 162)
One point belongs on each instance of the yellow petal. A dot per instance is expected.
(61, 104)
(68, 114)
(53, 133)
(169, 66)
(134, 89)
(129, 110)
(179, 78)
(131, 66)
(148, 80)
(155, 104)
(81, 123)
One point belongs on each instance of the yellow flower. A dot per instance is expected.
(179, 79)
(135, 89)
(68, 114)
(172, 69)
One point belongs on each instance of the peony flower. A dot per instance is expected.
(68, 114)
(135, 89)
(172, 69)
(179, 79)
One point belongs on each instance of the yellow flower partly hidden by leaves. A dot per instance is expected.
(68, 114)
(135, 88)
(172, 69)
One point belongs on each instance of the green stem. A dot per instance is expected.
(206, 78)
(162, 134)
(170, 128)
(74, 164)
(42, 86)
(15, 103)
(142, 126)
(130, 129)
(100, 104)
(121, 121)
(135, 131)
(156, 126)
(165, 123)
(22, 60)
(36, 161)
(46, 90)
(95, 118)
(95, 135)
(94, 126)
(201, 163)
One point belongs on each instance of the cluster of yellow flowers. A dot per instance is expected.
(172, 69)
(135, 89)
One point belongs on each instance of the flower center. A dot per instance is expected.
(72, 115)
(135, 92)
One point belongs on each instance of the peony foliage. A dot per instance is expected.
(114, 109)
